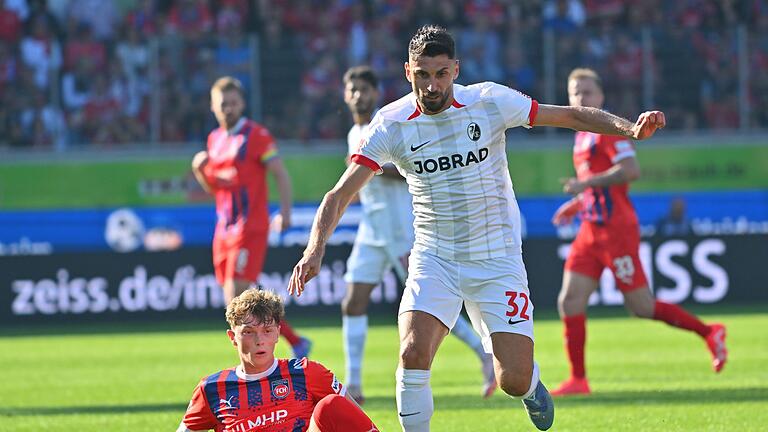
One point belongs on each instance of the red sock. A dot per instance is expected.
(575, 339)
(336, 413)
(287, 332)
(676, 316)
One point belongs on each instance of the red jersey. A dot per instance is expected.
(280, 399)
(592, 154)
(240, 155)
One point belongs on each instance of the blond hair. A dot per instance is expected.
(227, 83)
(265, 307)
(582, 73)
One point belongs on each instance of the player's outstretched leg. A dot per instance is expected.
(641, 302)
(463, 330)
(518, 376)
(336, 413)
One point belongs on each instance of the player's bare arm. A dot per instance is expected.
(276, 169)
(198, 164)
(599, 121)
(567, 211)
(624, 171)
(328, 215)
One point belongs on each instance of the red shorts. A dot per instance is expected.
(597, 247)
(241, 257)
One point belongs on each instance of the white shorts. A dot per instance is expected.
(494, 292)
(368, 264)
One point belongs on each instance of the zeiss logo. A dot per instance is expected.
(455, 160)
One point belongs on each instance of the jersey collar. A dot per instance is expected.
(257, 376)
(236, 128)
(418, 112)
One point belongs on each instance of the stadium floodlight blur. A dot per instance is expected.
(73, 75)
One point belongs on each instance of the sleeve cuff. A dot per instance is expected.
(532, 113)
(362, 160)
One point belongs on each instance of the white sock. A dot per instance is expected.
(464, 331)
(535, 376)
(354, 330)
(414, 399)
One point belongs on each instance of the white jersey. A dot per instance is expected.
(387, 210)
(455, 163)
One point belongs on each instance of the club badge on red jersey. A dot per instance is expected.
(280, 388)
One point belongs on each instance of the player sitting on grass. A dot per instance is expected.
(264, 393)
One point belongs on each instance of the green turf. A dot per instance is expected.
(645, 376)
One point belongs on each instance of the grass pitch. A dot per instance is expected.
(645, 376)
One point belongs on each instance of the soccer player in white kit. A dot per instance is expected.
(449, 142)
(383, 242)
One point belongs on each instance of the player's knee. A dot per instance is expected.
(414, 356)
(513, 383)
(355, 302)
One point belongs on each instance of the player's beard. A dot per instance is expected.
(434, 105)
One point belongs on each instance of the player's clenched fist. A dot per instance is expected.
(307, 268)
(647, 123)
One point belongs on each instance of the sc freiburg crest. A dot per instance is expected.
(473, 131)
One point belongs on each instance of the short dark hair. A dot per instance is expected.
(364, 73)
(431, 41)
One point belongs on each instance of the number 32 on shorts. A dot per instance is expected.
(519, 304)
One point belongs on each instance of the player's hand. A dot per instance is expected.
(226, 177)
(647, 124)
(565, 213)
(307, 268)
(573, 186)
(280, 222)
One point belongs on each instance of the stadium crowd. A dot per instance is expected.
(87, 72)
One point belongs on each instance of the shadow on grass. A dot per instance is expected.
(462, 402)
(91, 409)
(661, 397)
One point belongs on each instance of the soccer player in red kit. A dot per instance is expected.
(233, 168)
(266, 394)
(609, 237)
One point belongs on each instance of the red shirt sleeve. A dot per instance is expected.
(199, 415)
(321, 382)
(261, 145)
(617, 147)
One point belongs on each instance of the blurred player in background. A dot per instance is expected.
(609, 237)
(267, 394)
(233, 168)
(384, 240)
(449, 141)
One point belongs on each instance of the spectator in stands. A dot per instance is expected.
(38, 10)
(82, 44)
(43, 124)
(10, 24)
(41, 52)
(675, 223)
(101, 16)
